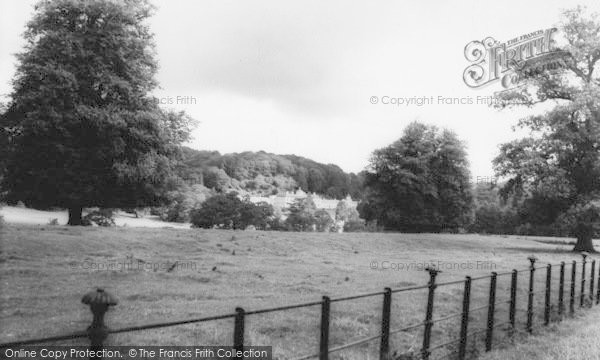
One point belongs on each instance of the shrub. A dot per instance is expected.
(102, 217)
(276, 224)
(493, 219)
(138, 212)
(323, 221)
(228, 211)
(258, 215)
(373, 226)
(183, 201)
(302, 215)
(355, 225)
(53, 222)
(157, 210)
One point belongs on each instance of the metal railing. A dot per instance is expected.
(99, 302)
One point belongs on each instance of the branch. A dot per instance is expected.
(592, 64)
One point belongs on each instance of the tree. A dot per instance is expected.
(264, 173)
(183, 200)
(258, 215)
(557, 168)
(228, 211)
(356, 225)
(83, 129)
(217, 179)
(419, 183)
(221, 210)
(492, 215)
(302, 215)
(343, 212)
(323, 221)
(316, 181)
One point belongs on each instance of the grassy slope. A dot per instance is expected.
(576, 339)
(42, 278)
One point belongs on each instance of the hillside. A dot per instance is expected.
(265, 173)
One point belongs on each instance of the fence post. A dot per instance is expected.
(238, 330)
(489, 336)
(324, 345)
(464, 322)
(598, 288)
(561, 291)
(429, 313)
(99, 302)
(384, 349)
(513, 298)
(547, 299)
(573, 278)
(532, 260)
(582, 294)
(593, 273)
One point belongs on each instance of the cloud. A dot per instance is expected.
(308, 56)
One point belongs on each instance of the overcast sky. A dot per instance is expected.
(297, 77)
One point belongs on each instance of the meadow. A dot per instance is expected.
(569, 340)
(45, 270)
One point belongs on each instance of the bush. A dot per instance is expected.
(493, 219)
(228, 211)
(182, 202)
(138, 212)
(323, 221)
(102, 217)
(302, 216)
(373, 226)
(355, 225)
(53, 222)
(276, 224)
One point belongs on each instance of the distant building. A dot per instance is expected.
(282, 202)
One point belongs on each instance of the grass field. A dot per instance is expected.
(45, 270)
(576, 339)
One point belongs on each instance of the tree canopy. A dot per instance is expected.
(81, 126)
(265, 173)
(228, 211)
(419, 183)
(555, 172)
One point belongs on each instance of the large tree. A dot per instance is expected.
(83, 128)
(419, 183)
(301, 216)
(556, 170)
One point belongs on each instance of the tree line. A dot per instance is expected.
(267, 174)
(230, 211)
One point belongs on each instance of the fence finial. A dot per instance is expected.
(99, 302)
(532, 259)
(433, 271)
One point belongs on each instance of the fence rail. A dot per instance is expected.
(100, 301)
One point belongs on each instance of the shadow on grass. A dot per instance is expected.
(556, 242)
(567, 249)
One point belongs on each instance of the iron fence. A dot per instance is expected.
(553, 308)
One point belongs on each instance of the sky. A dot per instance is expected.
(302, 77)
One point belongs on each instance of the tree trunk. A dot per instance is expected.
(584, 235)
(75, 215)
